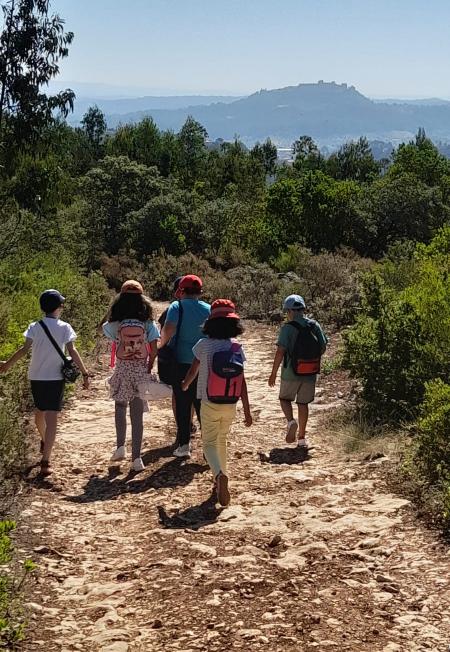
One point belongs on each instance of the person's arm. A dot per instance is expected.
(191, 375)
(76, 357)
(323, 339)
(20, 353)
(170, 325)
(152, 354)
(168, 331)
(278, 359)
(245, 404)
(104, 319)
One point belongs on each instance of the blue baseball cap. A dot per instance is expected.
(294, 302)
(50, 300)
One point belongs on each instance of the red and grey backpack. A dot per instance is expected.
(226, 375)
(307, 351)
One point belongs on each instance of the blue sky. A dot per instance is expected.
(386, 48)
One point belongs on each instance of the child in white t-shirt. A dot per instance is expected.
(44, 371)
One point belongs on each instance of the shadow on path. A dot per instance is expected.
(295, 455)
(192, 518)
(39, 481)
(175, 473)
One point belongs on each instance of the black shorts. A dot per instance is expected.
(48, 394)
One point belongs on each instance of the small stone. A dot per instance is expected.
(214, 602)
(117, 646)
(275, 541)
(383, 578)
(249, 633)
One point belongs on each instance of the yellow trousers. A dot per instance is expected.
(216, 421)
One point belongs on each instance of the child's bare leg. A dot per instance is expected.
(303, 412)
(51, 422)
(286, 406)
(291, 429)
(39, 420)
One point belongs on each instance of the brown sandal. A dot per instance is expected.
(46, 469)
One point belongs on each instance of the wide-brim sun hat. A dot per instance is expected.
(294, 302)
(131, 287)
(223, 308)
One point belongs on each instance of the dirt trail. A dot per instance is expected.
(313, 556)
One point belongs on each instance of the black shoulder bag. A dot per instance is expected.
(69, 369)
(167, 354)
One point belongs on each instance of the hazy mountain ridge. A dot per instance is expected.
(144, 104)
(328, 112)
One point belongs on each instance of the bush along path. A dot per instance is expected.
(317, 555)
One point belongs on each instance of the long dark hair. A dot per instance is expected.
(129, 305)
(222, 328)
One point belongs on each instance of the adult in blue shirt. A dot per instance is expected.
(194, 313)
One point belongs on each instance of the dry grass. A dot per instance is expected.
(358, 436)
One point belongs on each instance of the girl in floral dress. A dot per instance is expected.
(131, 327)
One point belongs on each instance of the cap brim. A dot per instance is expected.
(228, 315)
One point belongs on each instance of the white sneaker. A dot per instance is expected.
(291, 431)
(119, 454)
(138, 464)
(183, 451)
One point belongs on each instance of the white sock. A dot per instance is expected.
(302, 442)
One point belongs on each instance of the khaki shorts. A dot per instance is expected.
(301, 391)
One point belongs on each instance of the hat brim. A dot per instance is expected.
(228, 315)
(131, 291)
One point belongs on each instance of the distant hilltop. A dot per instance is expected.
(329, 112)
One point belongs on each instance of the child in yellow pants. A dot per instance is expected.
(219, 395)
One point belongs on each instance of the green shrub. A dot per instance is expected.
(428, 463)
(14, 400)
(329, 282)
(256, 290)
(401, 339)
(12, 626)
(160, 271)
(22, 283)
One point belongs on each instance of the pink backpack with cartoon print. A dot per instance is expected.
(131, 343)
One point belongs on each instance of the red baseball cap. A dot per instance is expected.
(223, 308)
(191, 282)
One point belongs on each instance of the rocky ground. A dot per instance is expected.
(311, 555)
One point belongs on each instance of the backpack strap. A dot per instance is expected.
(112, 359)
(52, 340)
(177, 332)
(309, 324)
